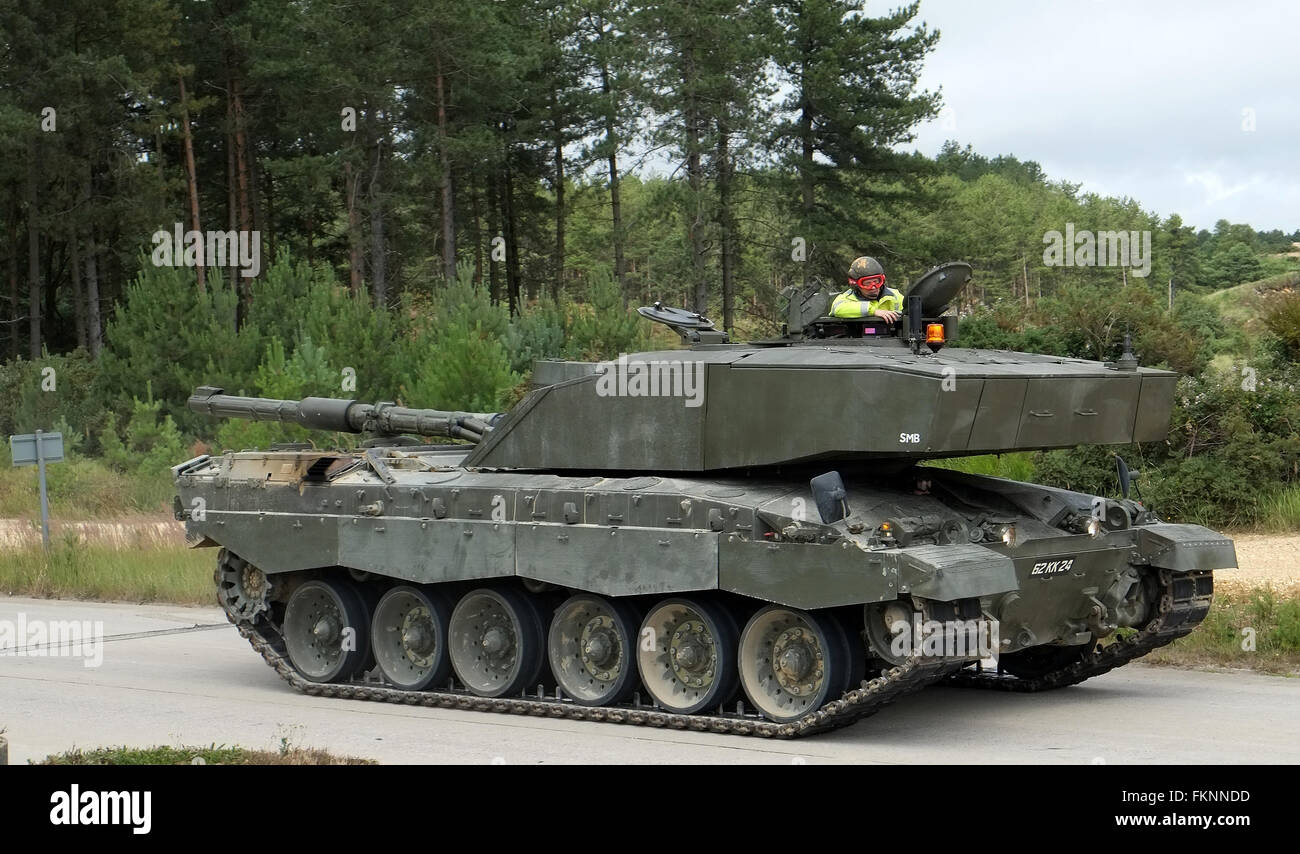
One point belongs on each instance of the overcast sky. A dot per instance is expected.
(1140, 98)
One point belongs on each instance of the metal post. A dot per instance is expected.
(45, 498)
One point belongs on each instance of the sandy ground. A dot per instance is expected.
(126, 533)
(1263, 559)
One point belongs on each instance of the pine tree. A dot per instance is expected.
(852, 81)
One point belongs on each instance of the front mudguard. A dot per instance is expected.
(1183, 548)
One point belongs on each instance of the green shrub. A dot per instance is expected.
(54, 393)
(1281, 511)
(1016, 466)
(537, 333)
(1090, 469)
(365, 340)
(148, 443)
(1285, 634)
(457, 358)
(169, 337)
(306, 373)
(604, 329)
(1282, 318)
(1003, 328)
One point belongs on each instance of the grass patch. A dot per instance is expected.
(211, 755)
(1016, 466)
(81, 488)
(1260, 618)
(1281, 511)
(74, 570)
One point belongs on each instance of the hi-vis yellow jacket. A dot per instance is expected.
(849, 304)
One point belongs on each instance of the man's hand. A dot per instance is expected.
(889, 316)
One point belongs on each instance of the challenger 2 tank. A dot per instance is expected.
(732, 537)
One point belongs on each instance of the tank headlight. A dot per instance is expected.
(1009, 535)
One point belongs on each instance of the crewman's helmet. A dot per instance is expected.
(867, 276)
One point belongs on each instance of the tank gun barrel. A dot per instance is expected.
(346, 416)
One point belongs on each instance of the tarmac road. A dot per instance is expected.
(169, 683)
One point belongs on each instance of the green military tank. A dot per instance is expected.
(731, 537)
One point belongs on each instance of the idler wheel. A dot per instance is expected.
(242, 589)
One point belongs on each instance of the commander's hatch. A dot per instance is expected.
(939, 286)
(693, 327)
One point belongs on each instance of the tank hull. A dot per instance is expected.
(943, 547)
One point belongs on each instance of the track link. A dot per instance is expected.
(853, 706)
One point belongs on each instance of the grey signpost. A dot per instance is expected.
(38, 449)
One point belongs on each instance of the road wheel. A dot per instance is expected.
(327, 631)
(686, 654)
(409, 637)
(592, 648)
(496, 642)
(792, 662)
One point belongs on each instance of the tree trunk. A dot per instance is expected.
(727, 225)
(494, 231)
(243, 184)
(191, 178)
(35, 293)
(476, 219)
(256, 218)
(512, 248)
(378, 243)
(806, 188)
(448, 191)
(14, 314)
(78, 292)
(558, 281)
(695, 222)
(616, 208)
(268, 224)
(94, 331)
(50, 314)
(354, 229)
(232, 197)
(243, 177)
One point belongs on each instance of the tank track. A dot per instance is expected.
(1183, 603)
(913, 675)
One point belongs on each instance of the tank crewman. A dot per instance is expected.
(867, 295)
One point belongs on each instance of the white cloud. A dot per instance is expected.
(1216, 189)
(1142, 99)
